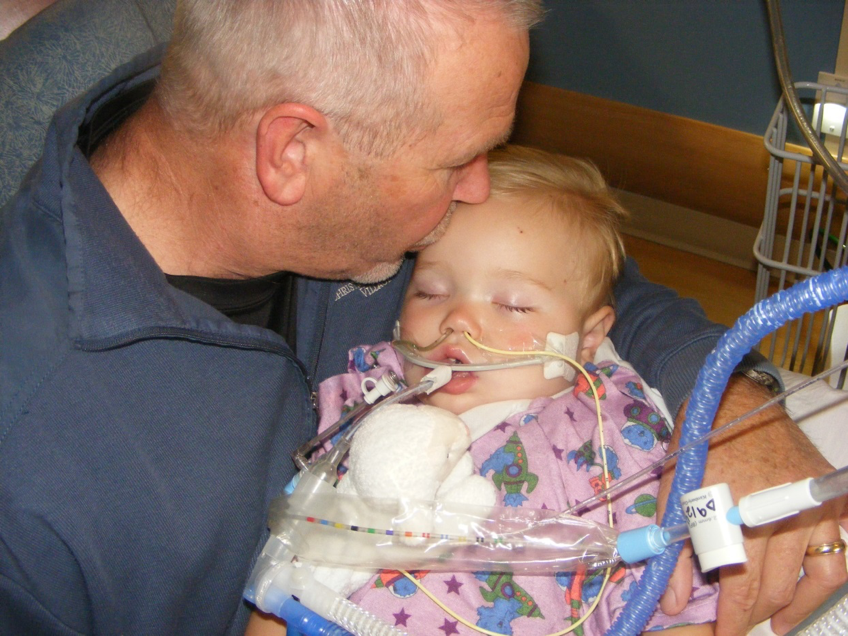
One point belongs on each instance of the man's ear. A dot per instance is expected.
(595, 329)
(283, 138)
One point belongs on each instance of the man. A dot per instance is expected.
(145, 433)
(162, 303)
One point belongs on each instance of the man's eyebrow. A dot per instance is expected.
(493, 143)
(499, 140)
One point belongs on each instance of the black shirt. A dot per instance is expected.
(265, 302)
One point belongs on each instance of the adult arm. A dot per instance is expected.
(667, 339)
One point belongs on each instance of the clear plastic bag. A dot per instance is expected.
(345, 530)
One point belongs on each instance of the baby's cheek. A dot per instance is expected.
(521, 341)
(524, 383)
(417, 328)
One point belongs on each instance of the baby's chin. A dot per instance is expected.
(448, 405)
(456, 404)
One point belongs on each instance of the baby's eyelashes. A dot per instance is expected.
(514, 308)
(427, 296)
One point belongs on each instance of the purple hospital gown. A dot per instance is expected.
(545, 456)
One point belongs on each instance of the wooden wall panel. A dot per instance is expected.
(701, 166)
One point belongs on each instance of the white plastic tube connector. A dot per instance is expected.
(375, 388)
(776, 503)
(439, 376)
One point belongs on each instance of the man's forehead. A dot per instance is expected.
(479, 90)
(470, 131)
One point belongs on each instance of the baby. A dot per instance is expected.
(539, 257)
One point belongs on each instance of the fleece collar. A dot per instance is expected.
(116, 291)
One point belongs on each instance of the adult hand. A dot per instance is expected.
(261, 624)
(766, 450)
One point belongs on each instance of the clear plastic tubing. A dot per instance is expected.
(676, 533)
(640, 544)
(337, 529)
(830, 486)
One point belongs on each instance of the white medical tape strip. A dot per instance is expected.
(565, 345)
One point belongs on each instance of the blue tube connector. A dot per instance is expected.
(299, 619)
(642, 543)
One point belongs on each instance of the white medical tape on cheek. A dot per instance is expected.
(565, 345)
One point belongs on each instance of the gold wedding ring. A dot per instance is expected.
(826, 548)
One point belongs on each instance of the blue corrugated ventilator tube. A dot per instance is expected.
(811, 295)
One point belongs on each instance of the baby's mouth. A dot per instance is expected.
(453, 356)
(461, 381)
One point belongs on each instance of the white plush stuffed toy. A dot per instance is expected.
(412, 452)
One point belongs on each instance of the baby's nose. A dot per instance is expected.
(461, 319)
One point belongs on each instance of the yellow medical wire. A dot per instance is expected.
(579, 367)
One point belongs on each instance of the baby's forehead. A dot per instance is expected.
(501, 211)
(539, 214)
